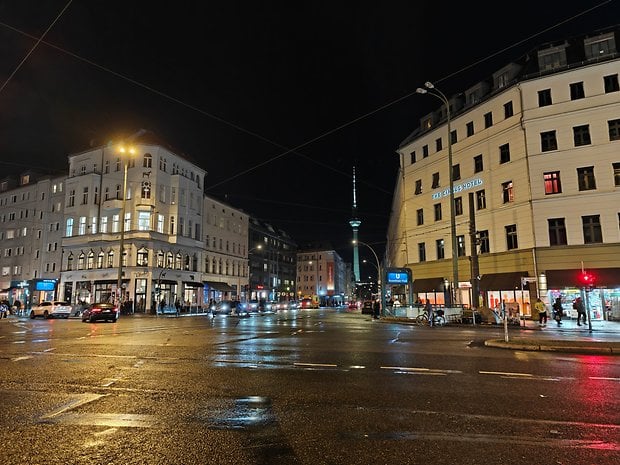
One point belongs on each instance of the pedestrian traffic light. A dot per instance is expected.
(586, 279)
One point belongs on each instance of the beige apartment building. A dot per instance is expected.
(536, 155)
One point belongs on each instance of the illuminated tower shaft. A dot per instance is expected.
(355, 224)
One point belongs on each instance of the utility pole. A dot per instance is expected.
(475, 268)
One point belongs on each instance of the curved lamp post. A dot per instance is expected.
(127, 152)
(430, 89)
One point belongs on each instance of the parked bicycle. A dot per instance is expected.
(438, 318)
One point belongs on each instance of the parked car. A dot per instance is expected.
(100, 311)
(367, 307)
(51, 309)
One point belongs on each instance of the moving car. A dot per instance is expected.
(100, 311)
(51, 309)
(308, 303)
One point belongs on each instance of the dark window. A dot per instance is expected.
(456, 172)
(420, 216)
(478, 164)
(504, 153)
(438, 145)
(511, 237)
(425, 151)
(616, 167)
(544, 97)
(552, 182)
(422, 251)
(581, 135)
(557, 231)
(481, 200)
(437, 208)
(585, 178)
(507, 192)
(458, 206)
(611, 83)
(548, 141)
(418, 187)
(576, 91)
(592, 232)
(508, 110)
(460, 245)
(440, 249)
(435, 184)
(614, 129)
(488, 120)
(483, 241)
(453, 137)
(470, 128)
(412, 157)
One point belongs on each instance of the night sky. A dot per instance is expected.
(276, 100)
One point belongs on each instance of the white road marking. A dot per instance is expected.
(314, 364)
(421, 370)
(506, 373)
(602, 378)
(17, 359)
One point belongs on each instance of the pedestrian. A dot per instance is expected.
(539, 306)
(558, 311)
(428, 308)
(376, 309)
(581, 311)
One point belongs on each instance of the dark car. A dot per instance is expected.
(367, 307)
(100, 311)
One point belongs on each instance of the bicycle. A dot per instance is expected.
(438, 318)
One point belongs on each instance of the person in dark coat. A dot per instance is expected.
(376, 309)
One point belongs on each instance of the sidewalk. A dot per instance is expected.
(603, 339)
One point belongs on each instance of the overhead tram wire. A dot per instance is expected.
(265, 139)
(39, 40)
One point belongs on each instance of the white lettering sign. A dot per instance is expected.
(458, 188)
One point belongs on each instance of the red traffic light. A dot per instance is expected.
(586, 279)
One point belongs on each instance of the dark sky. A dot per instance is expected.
(234, 85)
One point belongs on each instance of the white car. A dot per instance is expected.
(55, 309)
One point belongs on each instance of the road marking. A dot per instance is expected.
(602, 378)
(18, 359)
(299, 364)
(80, 400)
(421, 370)
(506, 373)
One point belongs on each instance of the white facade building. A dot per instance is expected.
(180, 247)
(536, 151)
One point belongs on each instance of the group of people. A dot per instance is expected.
(558, 311)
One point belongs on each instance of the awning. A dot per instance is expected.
(603, 277)
(217, 286)
(503, 281)
(428, 285)
(193, 284)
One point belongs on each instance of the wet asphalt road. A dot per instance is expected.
(308, 387)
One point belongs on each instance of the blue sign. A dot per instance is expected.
(397, 277)
(45, 285)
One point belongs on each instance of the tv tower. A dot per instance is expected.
(355, 224)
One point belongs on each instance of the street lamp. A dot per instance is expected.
(432, 90)
(379, 277)
(128, 152)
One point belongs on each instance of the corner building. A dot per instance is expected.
(179, 245)
(536, 154)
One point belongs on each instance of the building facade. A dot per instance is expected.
(322, 276)
(62, 236)
(272, 263)
(31, 230)
(536, 174)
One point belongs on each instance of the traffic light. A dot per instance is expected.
(586, 279)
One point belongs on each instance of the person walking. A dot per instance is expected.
(558, 311)
(376, 309)
(581, 311)
(539, 306)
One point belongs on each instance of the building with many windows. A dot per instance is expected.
(179, 246)
(31, 230)
(536, 174)
(322, 276)
(272, 263)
